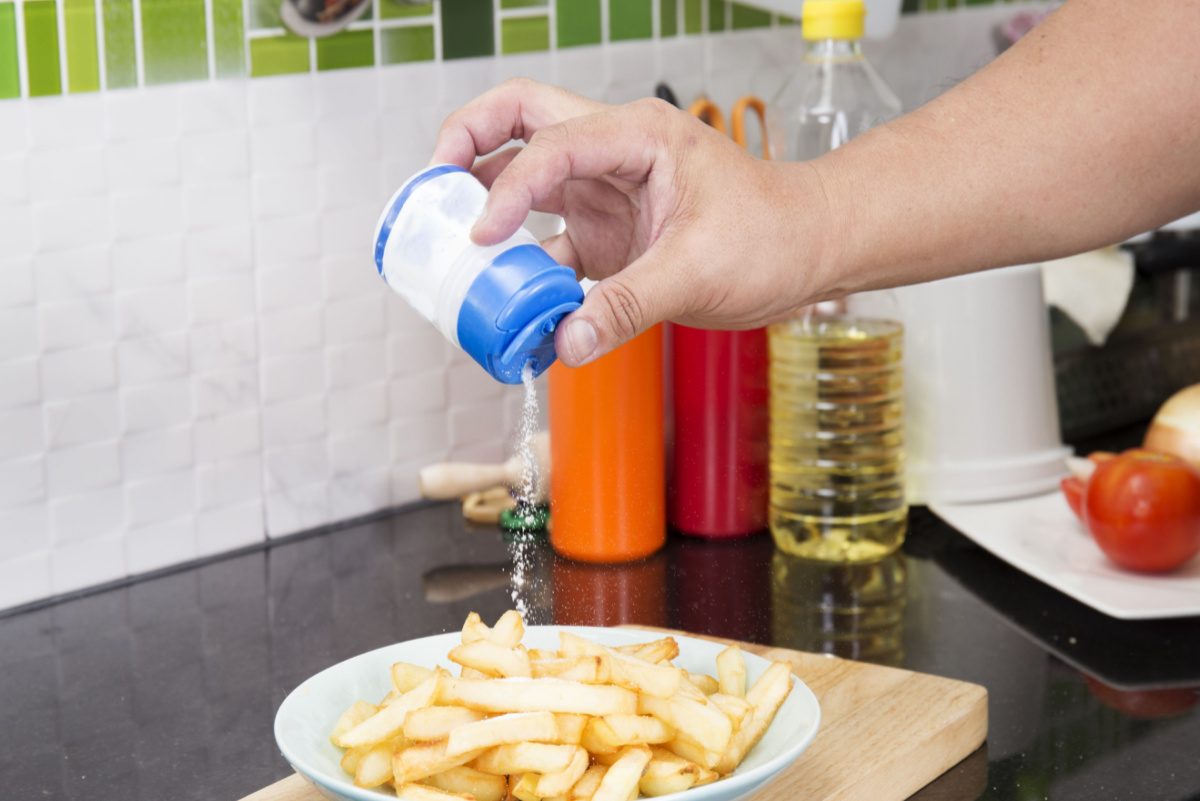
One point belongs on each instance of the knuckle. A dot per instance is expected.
(622, 307)
(519, 84)
(653, 105)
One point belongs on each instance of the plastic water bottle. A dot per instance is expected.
(500, 303)
(835, 94)
(836, 410)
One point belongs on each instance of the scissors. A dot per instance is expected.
(708, 111)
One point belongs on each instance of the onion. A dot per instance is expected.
(1176, 427)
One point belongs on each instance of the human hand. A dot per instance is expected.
(676, 221)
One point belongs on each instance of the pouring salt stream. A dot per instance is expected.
(527, 493)
(500, 304)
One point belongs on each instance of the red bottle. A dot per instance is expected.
(719, 477)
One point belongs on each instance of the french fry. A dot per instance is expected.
(537, 695)
(474, 629)
(731, 672)
(663, 650)
(570, 727)
(436, 722)
(509, 629)
(614, 732)
(688, 689)
(560, 783)
(389, 720)
(351, 757)
(765, 698)
(420, 761)
(705, 684)
(735, 708)
(541, 655)
(701, 721)
(621, 779)
(468, 781)
(589, 783)
(587, 669)
(515, 727)
(356, 714)
(627, 671)
(526, 788)
(525, 758)
(692, 751)
(405, 676)
(492, 659)
(472, 673)
(375, 767)
(667, 773)
(423, 792)
(507, 632)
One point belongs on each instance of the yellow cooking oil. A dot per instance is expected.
(837, 438)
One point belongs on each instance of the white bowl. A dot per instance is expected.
(307, 715)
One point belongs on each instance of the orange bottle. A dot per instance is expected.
(607, 483)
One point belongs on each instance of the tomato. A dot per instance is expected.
(1073, 486)
(1145, 704)
(1072, 489)
(1143, 509)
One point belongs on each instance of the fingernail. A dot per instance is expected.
(581, 340)
(480, 226)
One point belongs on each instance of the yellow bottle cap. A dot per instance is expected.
(833, 19)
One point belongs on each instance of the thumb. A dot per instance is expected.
(617, 309)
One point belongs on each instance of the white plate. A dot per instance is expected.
(1042, 537)
(307, 715)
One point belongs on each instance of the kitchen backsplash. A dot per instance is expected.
(51, 47)
(196, 352)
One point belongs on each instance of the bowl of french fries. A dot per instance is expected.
(547, 713)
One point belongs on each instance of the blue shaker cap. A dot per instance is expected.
(511, 310)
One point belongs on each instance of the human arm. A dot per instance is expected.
(1081, 134)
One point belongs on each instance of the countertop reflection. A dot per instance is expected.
(167, 688)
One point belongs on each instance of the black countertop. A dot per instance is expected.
(167, 688)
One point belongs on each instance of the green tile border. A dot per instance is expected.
(524, 35)
(10, 68)
(630, 19)
(668, 18)
(467, 29)
(746, 17)
(229, 34)
(578, 22)
(174, 41)
(693, 16)
(716, 15)
(120, 60)
(278, 55)
(41, 48)
(388, 9)
(403, 45)
(83, 55)
(345, 50)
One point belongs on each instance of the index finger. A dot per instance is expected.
(516, 109)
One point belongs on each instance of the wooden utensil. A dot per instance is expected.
(885, 732)
(455, 479)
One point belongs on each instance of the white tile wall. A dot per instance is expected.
(195, 349)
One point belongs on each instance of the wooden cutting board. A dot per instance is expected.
(885, 733)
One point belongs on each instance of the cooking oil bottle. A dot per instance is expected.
(837, 437)
(836, 410)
